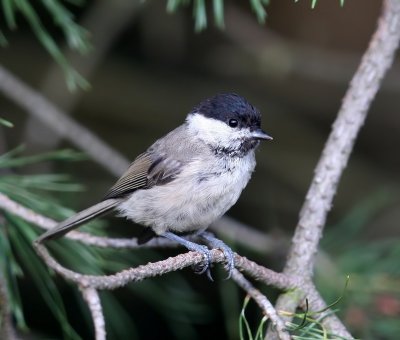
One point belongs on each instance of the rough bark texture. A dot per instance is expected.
(362, 90)
(91, 296)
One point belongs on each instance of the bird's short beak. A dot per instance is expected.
(260, 134)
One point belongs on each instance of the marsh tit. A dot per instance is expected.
(187, 179)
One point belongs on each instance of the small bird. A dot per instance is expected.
(187, 179)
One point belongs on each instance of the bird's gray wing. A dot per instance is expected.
(134, 178)
(145, 172)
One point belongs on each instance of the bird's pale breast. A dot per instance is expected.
(195, 199)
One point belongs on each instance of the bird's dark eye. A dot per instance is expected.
(233, 123)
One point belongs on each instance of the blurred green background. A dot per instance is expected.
(147, 68)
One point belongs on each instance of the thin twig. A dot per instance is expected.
(265, 275)
(28, 215)
(263, 303)
(162, 267)
(91, 296)
(363, 88)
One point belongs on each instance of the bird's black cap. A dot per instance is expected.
(227, 106)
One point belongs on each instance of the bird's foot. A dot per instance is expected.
(217, 243)
(201, 268)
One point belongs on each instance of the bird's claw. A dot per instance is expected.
(228, 253)
(204, 266)
(230, 261)
(212, 241)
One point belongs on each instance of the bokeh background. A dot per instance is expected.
(147, 69)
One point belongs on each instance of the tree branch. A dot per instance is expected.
(263, 303)
(351, 117)
(363, 88)
(91, 296)
(171, 264)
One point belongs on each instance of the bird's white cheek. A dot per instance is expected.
(215, 132)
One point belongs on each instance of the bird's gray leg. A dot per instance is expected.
(217, 243)
(194, 247)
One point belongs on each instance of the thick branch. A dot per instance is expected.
(363, 88)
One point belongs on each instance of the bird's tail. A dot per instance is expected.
(76, 220)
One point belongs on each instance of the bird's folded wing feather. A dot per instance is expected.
(133, 178)
(145, 172)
